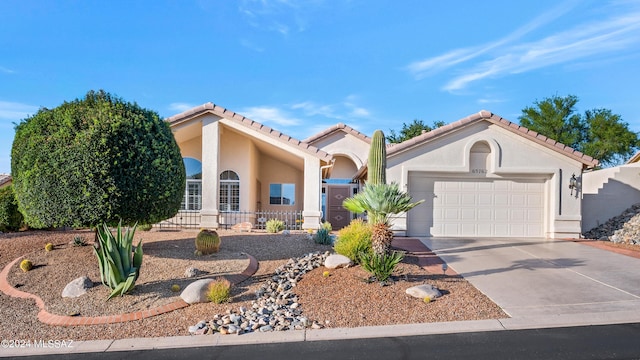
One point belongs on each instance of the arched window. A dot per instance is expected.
(229, 191)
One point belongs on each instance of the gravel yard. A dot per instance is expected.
(344, 299)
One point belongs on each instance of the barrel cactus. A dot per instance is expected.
(26, 265)
(207, 242)
(377, 163)
(48, 247)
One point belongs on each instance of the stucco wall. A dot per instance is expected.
(192, 148)
(512, 156)
(608, 192)
(341, 143)
(273, 171)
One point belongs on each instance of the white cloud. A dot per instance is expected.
(604, 38)
(279, 16)
(16, 111)
(180, 106)
(6, 70)
(359, 112)
(342, 111)
(422, 68)
(270, 114)
(489, 101)
(607, 38)
(312, 109)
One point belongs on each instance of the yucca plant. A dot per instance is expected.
(119, 263)
(380, 201)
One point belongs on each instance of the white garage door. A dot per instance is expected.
(476, 207)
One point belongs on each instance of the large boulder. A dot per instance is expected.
(77, 287)
(423, 291)
(242, 227)
(196, 292)
(336, 260)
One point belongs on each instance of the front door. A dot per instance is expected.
(338, 216)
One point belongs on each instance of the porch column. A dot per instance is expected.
(210, 174)
(312, 193)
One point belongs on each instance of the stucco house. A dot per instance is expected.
(479, 176)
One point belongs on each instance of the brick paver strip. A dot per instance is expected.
(52, 319)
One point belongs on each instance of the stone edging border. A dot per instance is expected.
(60, 320)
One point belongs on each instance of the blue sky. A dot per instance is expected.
(302, 66)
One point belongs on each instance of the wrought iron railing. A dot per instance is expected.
(191, 219)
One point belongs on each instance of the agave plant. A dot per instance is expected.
(380, 201)
(119, 263)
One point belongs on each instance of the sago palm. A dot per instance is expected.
(380, 201)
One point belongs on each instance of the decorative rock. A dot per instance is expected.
(196, 292)
(336, 260)
(266, 328)
(276, 307)
(242, 227)
(199, 326)
(77, 287)
(423, 291)
(624, 228)
(191, 272)
(286, 232)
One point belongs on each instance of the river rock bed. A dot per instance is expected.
(624, 228)
(276, 308)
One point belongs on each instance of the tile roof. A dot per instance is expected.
(335, 128)
(4, 179)
(485, 115)
(242, 120)
(634, 159)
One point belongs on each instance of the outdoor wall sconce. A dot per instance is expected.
(573, 184)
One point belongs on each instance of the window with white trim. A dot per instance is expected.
(229, 191)
(192, 199)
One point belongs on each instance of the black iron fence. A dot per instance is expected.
(191, 219)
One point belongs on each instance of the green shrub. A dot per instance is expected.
(207, 242)
(323, 237)
(219, 291)
(381, 266)
(119, 263)
(93, 160)
(145, 227)
(275, 226)
(10, 218)
(353, 240)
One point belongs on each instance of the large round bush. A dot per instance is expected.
(96, 159)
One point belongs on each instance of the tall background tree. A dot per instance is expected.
(412, 130)
(598, 133)
(96, 159)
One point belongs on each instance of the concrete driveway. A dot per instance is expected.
(530, 278)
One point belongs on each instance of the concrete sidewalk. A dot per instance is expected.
(540, 283)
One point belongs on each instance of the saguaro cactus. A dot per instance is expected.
(377, 163)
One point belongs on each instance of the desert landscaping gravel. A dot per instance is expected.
(343, 299)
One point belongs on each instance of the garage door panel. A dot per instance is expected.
(477, 207)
